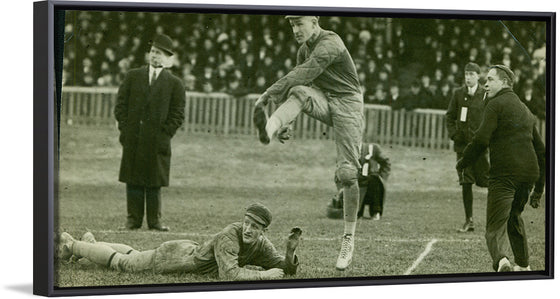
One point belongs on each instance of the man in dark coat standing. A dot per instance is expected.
(517, 163)
(149, 110)
(463, 118)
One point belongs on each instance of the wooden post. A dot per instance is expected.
(433, 118)
(70, 107)
(382, 126)
(408, 131)
(426, 135)
(213, 115)
(227, 111)
(248, 123)
(401, 127)
(439, 135)
(415, 130)
(186, 126)
(98, 105)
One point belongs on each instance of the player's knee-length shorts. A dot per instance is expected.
(477, 173)
(175, 256)
(345, 114)
(169, 257)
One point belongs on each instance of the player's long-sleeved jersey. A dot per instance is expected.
(326, 63)
(226, 254)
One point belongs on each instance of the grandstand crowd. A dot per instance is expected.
(403, 63)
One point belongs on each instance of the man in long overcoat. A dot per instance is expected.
(149, 110)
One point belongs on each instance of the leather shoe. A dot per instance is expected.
(129, 227)
(467, 227)
(259, 120)
(159, 227)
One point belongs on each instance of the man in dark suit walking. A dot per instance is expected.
(517, 168)
(149, 110)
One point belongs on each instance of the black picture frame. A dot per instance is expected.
(47, 35)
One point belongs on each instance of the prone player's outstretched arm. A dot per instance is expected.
(292, 244)
(227, 257)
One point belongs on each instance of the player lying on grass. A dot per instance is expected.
(226, 253)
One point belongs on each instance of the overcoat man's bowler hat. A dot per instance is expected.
(163, 42)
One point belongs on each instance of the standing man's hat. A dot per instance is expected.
(163, 42)
(472, 67)
(259, 213)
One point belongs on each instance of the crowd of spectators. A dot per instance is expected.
(403, 63)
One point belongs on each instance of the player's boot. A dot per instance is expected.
(88, 237)
(82, 261)
(518, 268)
(346, 251)
(64, 248)
(260, 119)
(467, 227)
(504, 265)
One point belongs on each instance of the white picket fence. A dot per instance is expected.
(222, 114)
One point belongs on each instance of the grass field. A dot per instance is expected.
(213, 178)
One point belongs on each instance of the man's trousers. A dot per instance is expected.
(504, 226)
(136, 198)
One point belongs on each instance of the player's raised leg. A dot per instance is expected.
(305, 99)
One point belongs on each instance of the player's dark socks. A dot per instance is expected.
(468, 200)
(259, 119)
(108, 265)
(467, 204)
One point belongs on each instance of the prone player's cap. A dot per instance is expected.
(472, 67)
(259, 213)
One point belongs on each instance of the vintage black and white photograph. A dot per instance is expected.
(230, 146)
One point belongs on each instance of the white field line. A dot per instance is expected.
(421, 257)
(320, 239)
